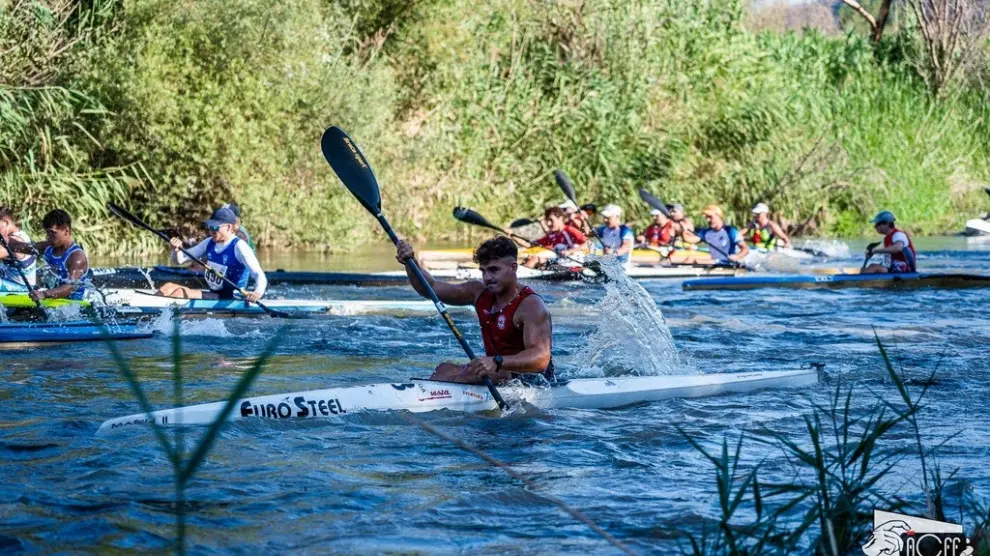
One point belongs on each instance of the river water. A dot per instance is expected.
(377, 483)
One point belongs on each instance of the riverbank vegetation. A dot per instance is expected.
(173, 108)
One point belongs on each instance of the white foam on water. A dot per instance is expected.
(162, 324)
(772, 262)
(632, 337)
(834, 248)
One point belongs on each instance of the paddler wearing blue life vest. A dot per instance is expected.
(615, 237)
(226, 255)
(11, 231)
(65, 258)
(763, 232)
(516, 327)
(725, 242)
(898, 252)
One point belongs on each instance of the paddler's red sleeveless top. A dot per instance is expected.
(501, 337)
(900, 259)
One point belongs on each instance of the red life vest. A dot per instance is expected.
(500, 335)
(567, 238)
(658, 235)
(901, 259)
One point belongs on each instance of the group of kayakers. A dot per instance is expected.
(228, 253)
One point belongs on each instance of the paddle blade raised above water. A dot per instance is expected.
(565, 184)
(649, 199)
(469, 216)
(352, 168)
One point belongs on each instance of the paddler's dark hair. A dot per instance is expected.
(57, 217)
(7, 214)
(554, 211)
(496, 248)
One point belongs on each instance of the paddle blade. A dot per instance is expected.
(518, 223)
(565, 184)
(352, 168)
(649, 199)
(121, 213)
(468, 216)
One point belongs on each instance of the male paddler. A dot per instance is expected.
(11, 231)
(725, 242)
(616, 238)
(763, 232)
(562, 238)
(226, 255)
(658, 233)
(515, 323)
(898, 251)
(239, 230)
(62, 254)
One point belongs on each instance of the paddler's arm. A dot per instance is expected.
(686, 234)
(25, 248)
(78, 266)
(246, 256)
(778, 231)
(741, 251)
(452, 294)
(180, 258)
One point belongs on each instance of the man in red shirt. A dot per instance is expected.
(515, 323)
(561, 238)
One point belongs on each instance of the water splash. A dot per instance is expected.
(162, 324)
(633, 337)
(832, 248)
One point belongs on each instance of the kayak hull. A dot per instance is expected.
(838, 281)
(420, 396)
(70, 331)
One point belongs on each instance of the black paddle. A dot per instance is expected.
(27, 284)
(659, 205)
(520, 222)
(124, 215)
(354, 171)
(568, 188)
(469, 216)
(869, 254)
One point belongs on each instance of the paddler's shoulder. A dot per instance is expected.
(533, 305)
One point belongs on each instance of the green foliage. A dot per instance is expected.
(174, 108)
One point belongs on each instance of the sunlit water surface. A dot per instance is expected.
(376, 483)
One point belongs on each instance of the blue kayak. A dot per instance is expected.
(69, 331)
(900, 280)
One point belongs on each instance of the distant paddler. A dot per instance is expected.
(615, 237)
(65, 258)
(561, 238)
(11, 231)
(898, 252)
(515, 323)
(726, 244)
(239, 230)
(763, 232)
(226, 255)
(659, 233)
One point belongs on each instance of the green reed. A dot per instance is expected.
(185, 464)
(837, 468)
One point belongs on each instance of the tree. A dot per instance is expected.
(878, 23)
(952, 32)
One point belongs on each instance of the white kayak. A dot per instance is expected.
(420, 395)
(633, 270)
(977, 227)
(142, 302)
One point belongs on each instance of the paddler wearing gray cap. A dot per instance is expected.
(763, 232)
(898, 251)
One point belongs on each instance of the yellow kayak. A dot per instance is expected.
(23, 301)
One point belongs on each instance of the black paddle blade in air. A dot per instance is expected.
(121, 213)
(468, 216)
(649, 199)
(352, 168)
(565, 184)
(518, 223)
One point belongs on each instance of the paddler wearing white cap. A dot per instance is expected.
(763, 232)
(616, 238)
(659, 233)
(226, 255)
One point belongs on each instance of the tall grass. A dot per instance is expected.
(838, 471)
(179, 107)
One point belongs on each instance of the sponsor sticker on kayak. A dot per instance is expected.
(904, 535)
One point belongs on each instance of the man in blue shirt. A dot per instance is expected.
(616, 238)
(726, 243)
